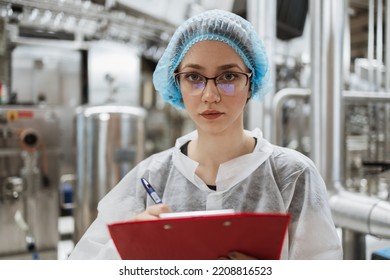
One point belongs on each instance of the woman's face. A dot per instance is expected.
(215, 109)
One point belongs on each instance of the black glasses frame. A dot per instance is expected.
(177, 74)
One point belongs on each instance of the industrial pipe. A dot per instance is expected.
(277, 103)
(387, 46)
(365, 96)
(371, 43)
(357, 214)
(361, 213)
(379, 44)
(262, 14)
(283, 95)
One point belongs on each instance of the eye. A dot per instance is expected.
(193, 77)
(228, 77)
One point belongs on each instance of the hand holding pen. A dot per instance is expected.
(152, 212)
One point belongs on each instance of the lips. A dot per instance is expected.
(211, 114)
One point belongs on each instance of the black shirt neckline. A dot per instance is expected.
(184, 150)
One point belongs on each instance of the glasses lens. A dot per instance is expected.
(230, 83)
(198, 87)
(191, 83)
(227, 89)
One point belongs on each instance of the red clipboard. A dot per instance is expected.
(260, 235)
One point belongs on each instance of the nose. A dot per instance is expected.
(210, 92)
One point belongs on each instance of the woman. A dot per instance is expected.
(212, 66)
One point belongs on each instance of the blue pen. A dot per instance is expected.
(152, 193)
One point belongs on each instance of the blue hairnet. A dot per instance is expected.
(215, 25)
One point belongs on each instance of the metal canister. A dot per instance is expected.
(109, 143)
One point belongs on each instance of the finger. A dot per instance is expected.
(239, 256)
(152, 212)
(144, 216)
(156, 210)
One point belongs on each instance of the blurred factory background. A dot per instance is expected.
(78, 109)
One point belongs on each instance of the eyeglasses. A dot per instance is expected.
(227, 83)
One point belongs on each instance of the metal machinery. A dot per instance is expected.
(345, 132)
(342, 125)
(29, 177)
(110, 141)
(109, 138)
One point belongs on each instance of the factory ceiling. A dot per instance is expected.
(147, 24)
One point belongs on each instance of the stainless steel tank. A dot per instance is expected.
(29, 178)
(109, 143)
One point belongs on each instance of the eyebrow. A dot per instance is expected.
(222, 67)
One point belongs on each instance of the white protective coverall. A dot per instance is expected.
(270, 179)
